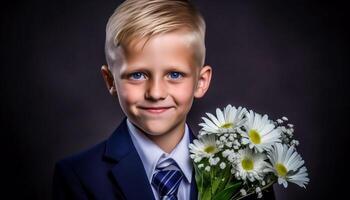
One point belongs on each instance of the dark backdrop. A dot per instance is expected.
(276, 57)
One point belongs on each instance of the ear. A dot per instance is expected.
(203, 81)
(109, 80)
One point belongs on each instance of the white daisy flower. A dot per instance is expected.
(205, 146)
(224, 122)
(260, 132)
(249, 165)
(287, 165)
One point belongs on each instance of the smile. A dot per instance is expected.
(155, 110)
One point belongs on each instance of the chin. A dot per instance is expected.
(156, 129)
(157, 126)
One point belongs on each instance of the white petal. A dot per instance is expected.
(220, 116)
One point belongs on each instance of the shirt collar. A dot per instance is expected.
(151, 154)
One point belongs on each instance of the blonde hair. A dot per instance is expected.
(135, 20)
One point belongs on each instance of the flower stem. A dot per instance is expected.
(263, 188)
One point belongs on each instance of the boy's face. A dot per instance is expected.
(156, 85)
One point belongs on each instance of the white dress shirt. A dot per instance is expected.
(152, 155)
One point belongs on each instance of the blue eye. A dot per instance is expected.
(137, 76)
(175, 75)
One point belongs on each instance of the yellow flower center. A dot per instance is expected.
(254, 136)
(227, 125)
(247, 164)
(281, 170)
(209, 149)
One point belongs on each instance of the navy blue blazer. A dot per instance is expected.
(110, 170)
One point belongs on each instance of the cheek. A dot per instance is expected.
(129, 94)
(183, 94)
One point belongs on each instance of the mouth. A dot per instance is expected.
(155, 110)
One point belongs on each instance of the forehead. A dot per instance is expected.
(166, 48)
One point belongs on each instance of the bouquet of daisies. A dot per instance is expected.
(240, 153)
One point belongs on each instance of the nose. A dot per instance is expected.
(156, 90)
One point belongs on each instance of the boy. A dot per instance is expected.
(155, 53)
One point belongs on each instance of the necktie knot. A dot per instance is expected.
(166, 181)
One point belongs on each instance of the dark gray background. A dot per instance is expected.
(275, 57)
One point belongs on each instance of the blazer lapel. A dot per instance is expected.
(128, 172)
(194, 191)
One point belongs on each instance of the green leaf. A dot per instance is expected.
(206, 195)
(226, 176)
(227, 192)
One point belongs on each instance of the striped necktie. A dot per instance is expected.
(166, 182)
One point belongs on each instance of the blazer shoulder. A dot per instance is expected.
(85, 157)
(98, 156)
(85, 175)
